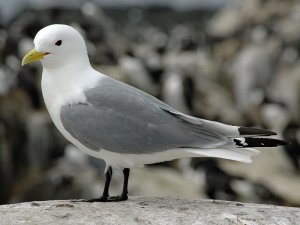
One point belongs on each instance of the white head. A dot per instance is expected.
(57, 45)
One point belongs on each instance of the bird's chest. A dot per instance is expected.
(57, 95)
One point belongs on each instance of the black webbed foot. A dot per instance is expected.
(117, 198)
(101, 199)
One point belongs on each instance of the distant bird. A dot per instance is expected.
(137, 74)
(218, 182)
(120, 124)
(254, 70)
(177, 91)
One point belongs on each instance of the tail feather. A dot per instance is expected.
(240, 141)
(250, 142)
(226, 153)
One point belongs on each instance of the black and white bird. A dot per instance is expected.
(120, 124)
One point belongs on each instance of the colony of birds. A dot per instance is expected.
(238, 65)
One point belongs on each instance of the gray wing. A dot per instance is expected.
(123, 119)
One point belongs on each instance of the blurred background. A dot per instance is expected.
(232, 61)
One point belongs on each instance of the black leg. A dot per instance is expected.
(124, 195)
(104, 197)
(126, 172)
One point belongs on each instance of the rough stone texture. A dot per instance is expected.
(142, 210)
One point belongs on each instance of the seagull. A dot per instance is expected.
(120, 124)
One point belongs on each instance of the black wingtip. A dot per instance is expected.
(259, 142)
(279, 142)
(249, 131)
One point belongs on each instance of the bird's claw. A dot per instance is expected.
(117, 198)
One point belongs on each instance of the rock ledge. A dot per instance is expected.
(148, 210)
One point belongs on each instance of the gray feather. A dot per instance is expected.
(123, 119)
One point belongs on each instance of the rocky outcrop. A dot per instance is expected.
(142, 210)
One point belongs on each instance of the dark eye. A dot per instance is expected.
(58, 43)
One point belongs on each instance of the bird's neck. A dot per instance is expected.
(72, 64)
(69, 78)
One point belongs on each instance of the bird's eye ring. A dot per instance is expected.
(58, 43)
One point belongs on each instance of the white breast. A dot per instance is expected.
(59, 90)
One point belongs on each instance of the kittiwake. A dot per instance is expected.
(120, 124)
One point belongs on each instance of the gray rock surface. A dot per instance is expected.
(142, 210)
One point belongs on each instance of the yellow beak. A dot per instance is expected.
(32, 56)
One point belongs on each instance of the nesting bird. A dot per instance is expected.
(120, 124)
